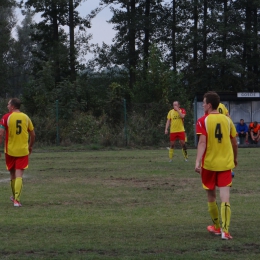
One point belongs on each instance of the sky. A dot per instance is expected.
(101, 30)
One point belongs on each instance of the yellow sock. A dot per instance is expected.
(12, 183)
(225, 216)
(18, 188)
(214, 214)
(185, 153)
(171, 151)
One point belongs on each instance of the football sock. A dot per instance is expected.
(18, 188)
(12, 183)
(225, 216)
(214, 213)
(185, 153)
(171, 153)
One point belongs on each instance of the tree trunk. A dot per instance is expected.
(195, 33)
(173, 35)
(205, 15)
(146, 34)
(247, 44)
(224, 38)
(256, 55)
(72, 47)
(132, 51)
(56, 42)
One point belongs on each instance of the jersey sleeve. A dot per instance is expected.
(3, 122)
(183, 111)
(169, 115)
(200, 126)
(30, 125)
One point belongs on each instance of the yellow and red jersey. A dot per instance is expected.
(16, 125)
(222, 109)
(177, 123)
(218, 129)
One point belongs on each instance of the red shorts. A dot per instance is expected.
(17, 163)
(176, 136)
(211, 179)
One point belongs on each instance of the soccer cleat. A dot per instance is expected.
(170, 160)
(17, 203)
(247, 142)
(12, 198)
(226, 236)
(186, 159)
(213, 230)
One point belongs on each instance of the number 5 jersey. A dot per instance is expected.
(16, 125)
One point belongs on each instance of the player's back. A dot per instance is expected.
(17, 134)
(219, 153)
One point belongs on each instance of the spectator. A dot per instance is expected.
(242, 130)
(254, 130)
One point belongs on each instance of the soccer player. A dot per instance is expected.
(175, 120)
(17, 128)
(222, 109)
(216, 156)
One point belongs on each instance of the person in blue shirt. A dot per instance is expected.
(242, 130)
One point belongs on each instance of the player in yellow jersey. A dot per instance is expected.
(216, 156)
(223, 110)
(17, 128)
(175, 120)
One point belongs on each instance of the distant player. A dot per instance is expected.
(223, 110)
(175, 120)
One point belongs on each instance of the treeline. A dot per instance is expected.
(162, 51)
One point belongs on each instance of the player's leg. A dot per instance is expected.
(224, 183)
(172, 142)
(21, 164)
(10, 165)
(12, 183)
(184, 148)
(18, 184)
(213, 212)
(208, 182)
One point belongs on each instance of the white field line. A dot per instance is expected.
(7, 180)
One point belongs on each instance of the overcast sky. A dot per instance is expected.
(101, 30)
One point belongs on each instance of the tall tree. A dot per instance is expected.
(7, 22)
(50, 33)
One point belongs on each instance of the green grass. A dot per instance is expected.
(125, 204)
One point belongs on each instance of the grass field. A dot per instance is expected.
(125, 204)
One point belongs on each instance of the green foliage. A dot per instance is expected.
(37, 96)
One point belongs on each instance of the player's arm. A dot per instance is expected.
(234, 146)
(200, 151)
(32, 140)
(180, 113)
(2, 132)
(168, 122)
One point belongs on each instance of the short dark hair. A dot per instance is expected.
(16, 102)
(213, 98)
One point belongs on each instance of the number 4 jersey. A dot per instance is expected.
(16, 125)
(218, 129)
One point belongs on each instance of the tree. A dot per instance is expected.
(7, 22)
